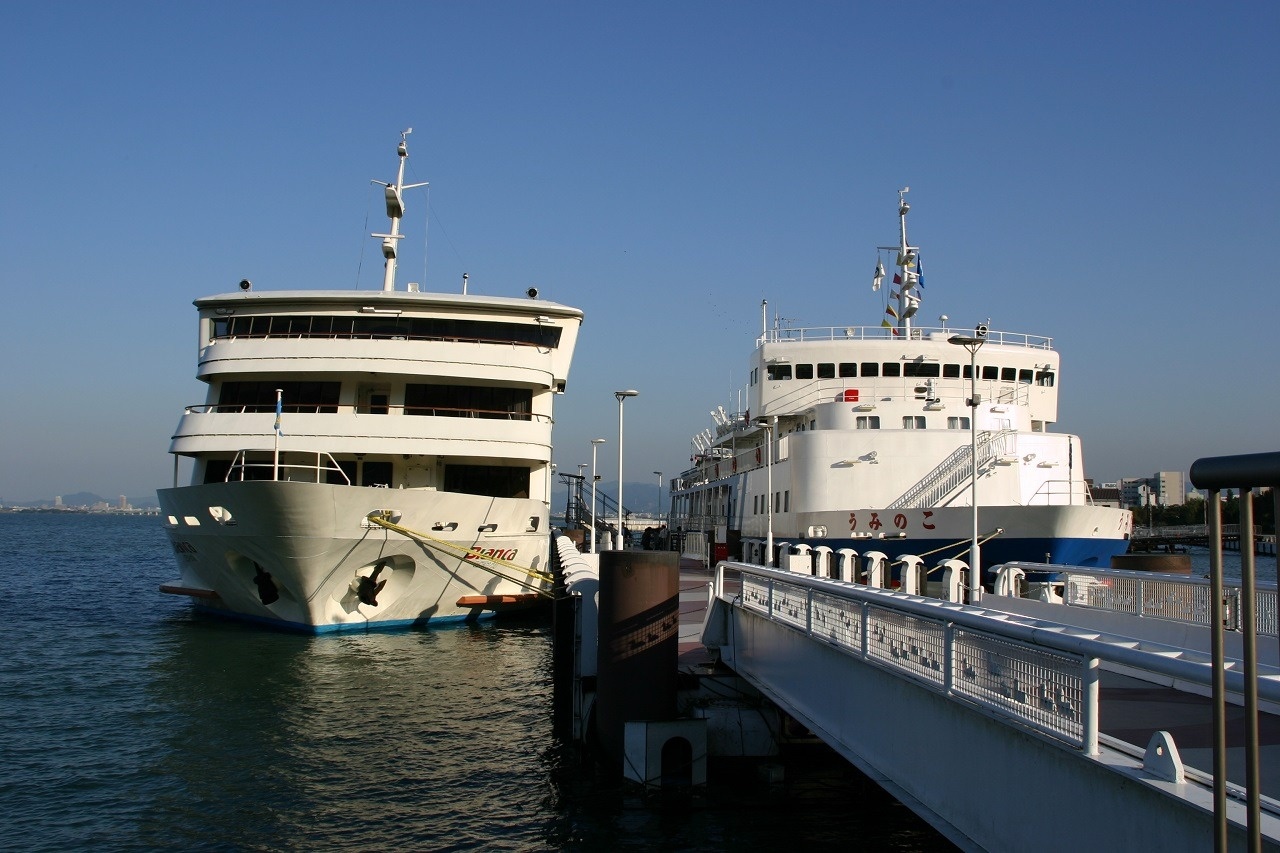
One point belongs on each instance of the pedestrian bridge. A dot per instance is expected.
(1004, 729)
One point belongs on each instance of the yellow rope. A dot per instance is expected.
(981, 542)
(380, 519)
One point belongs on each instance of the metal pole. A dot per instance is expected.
(768, 557)
(1249, 615)
(975, 550)
(595, 442)
(1217, 652)
(621, 395)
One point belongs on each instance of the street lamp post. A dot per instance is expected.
(973, 344)
(595, 478)
(621, 395)
(658, 474)
(770, 426)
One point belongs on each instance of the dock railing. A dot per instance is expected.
(1027, 671)
(1213, 474)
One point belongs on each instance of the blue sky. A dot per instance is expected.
(1103, 173)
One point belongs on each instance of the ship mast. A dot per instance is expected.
(907, 278)
(395, 212)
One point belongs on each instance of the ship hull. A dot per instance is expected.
(319, 551)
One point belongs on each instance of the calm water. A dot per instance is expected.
(130, 724)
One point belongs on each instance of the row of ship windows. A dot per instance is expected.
(387, 328)
(910, 422)
(920, 369)
(781, 503)
(321, 397)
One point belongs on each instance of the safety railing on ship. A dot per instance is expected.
(266, 465)
(881, 333)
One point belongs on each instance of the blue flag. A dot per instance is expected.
(279, 411)
(919, 273)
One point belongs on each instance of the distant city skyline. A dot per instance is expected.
(1098, 174)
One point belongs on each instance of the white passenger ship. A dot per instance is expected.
(369, 458)
(863, 438)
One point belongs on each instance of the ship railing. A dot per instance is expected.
(364, 409)
(1028, 672)
(1061, 493)
(883, 333)
(285, 465)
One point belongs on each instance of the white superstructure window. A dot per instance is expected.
(913, 421)
(868, 422)
(957, 423)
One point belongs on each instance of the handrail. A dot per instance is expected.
(811, 612)
(882, 333)
(241, 462)
(365, 409)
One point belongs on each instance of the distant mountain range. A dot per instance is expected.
(79, 499)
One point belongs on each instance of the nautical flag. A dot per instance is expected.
(279, 409)
(889, 326)
(879, 275)
(897, 279)
(919, 273)
(891, 312)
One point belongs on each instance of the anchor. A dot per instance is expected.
(367, 588)
(267, 592)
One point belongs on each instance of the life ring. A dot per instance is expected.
(757, 456)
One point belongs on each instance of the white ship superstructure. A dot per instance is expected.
(369, 458)
(864, 437)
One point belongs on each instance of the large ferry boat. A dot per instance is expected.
(369, 458)
(875, 437)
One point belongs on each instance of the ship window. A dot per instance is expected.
(913, 422)
(921, 368)
(786, 501)
(297, 397)
(848, 368)
(958, 423)
(804, 371)
(375, 473)
(495, 481)
(468, 401)
(892, 368)
(1008, 374)
(777, 501)
(868, 422)
(968, 371)
(827, 370)
(1024, 376)
(870, 368)
(813, 424)
(385, 327)
(951, 371)
(215, 470)
(990, 372)
(1045, 378)
(778, 371)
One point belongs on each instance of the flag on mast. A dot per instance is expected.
(879, 275)
(279, 409)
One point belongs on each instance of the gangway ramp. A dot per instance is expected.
(988, 724)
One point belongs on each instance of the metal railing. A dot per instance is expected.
(363, 409)
(283, 469)
(1027, 671)
(1176, 598)
(883, 333)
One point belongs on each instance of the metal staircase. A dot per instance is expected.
(953, 472)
